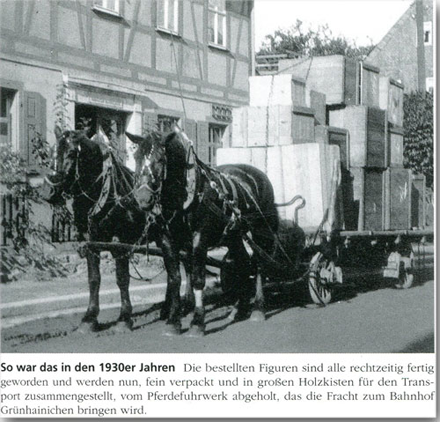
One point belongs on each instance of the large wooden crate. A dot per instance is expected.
(369, 85)
(276, 90)
(368, 133)
(367, 200)
(335, 136)
(391, 99)
(336, 76)
(317, 102)
(239, 127)
(418, 201)
(304, 169)
(398, 184)
(395, 141)
(303, 125)
(273, 125)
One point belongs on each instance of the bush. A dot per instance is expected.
(418, 126)
(27, 240)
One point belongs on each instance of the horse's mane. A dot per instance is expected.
(175, 183)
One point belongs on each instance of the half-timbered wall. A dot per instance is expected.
(124, 62)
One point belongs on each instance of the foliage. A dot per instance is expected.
(418, 126)
(299, 41)
(27, 239)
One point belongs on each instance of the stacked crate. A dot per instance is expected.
(380, 191)
(277, 114)
(369, 106)
(276, 133)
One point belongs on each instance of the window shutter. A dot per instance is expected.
(160, 14)
(191, 131)
(34, 122)
(149, 122)
(203, 141)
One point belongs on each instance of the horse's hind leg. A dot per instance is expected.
(258, 306)
(123, 282)
(198, 279)
(90, 320)
(243, 289)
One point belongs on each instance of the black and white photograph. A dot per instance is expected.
(217, 177)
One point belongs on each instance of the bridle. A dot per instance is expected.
(147, 168)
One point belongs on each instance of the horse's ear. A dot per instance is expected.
(58, 132)
(134, 138)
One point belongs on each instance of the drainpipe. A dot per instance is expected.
(421, 70)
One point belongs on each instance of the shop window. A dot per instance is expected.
(6, 116)
(106, 123)
(217, 23)
(216, 133)
(427, 33)
(168, 15)
(109, 6)
(167, 124)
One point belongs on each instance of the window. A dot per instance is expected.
(166, 124)
(108, 6)
(108, 123)
(216, 133)
(427, 33)
(6, 115)
(168, 15)
(217, 23)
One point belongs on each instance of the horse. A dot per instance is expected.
(104, 210)
(230, 206)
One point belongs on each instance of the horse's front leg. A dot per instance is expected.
(198, 279)
(189, 299)
(123, 282)
(90, 320)
(258, 312)
(171, 260)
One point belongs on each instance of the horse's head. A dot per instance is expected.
(65, 165)
(151, 168)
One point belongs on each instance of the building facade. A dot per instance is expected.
(406, 51)
(123, 65)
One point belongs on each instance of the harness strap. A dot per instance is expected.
(234, 190)
(105, 190)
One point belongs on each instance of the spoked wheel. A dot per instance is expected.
(406, 274)
(323, 274)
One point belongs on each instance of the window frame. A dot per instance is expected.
(427, 28)
(163, 26)
(162, 118)
(105, 9)
(216, 132)
(217, 12)
(9, 96)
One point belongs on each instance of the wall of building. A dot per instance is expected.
(396, 53)
(124, 62)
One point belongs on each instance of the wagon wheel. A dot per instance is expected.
(406, 273)
(323, 273)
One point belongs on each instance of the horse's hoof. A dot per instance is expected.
(195, 331)
(258, 316)
(163, 316)
(88, 327)
(238, 315)
(123, 327)
(233, 314)
(171, 330)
